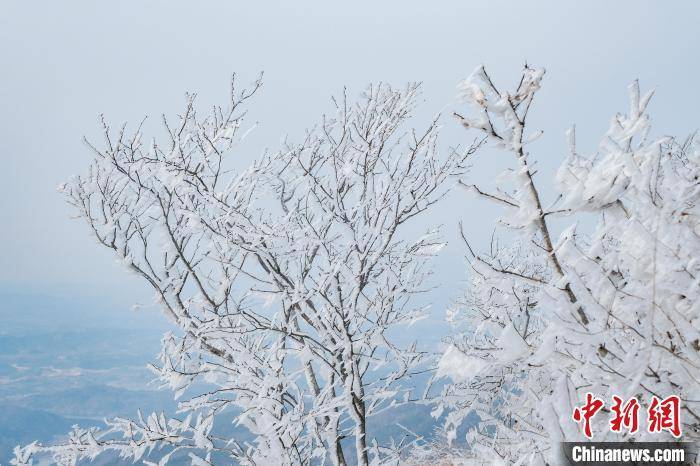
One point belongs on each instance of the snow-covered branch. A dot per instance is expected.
(284, 280)
(614, 312)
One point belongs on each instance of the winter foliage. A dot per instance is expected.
(612, 311)
(287, 282)
(284, 280)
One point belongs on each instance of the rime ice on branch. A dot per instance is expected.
(284, 280)
(548, 318)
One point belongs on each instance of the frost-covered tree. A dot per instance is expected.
(286, 281)
(609, 304)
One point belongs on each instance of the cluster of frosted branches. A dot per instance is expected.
(612, 312)
(284, 280)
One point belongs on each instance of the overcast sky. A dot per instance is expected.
(64, 63)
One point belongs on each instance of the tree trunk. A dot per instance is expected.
(360, 431)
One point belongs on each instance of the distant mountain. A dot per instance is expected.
(20, 425)
(98, 401)
(66, 361)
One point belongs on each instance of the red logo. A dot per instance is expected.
(587, 412)
(626, 415)
(661, 414)
(665, 415)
